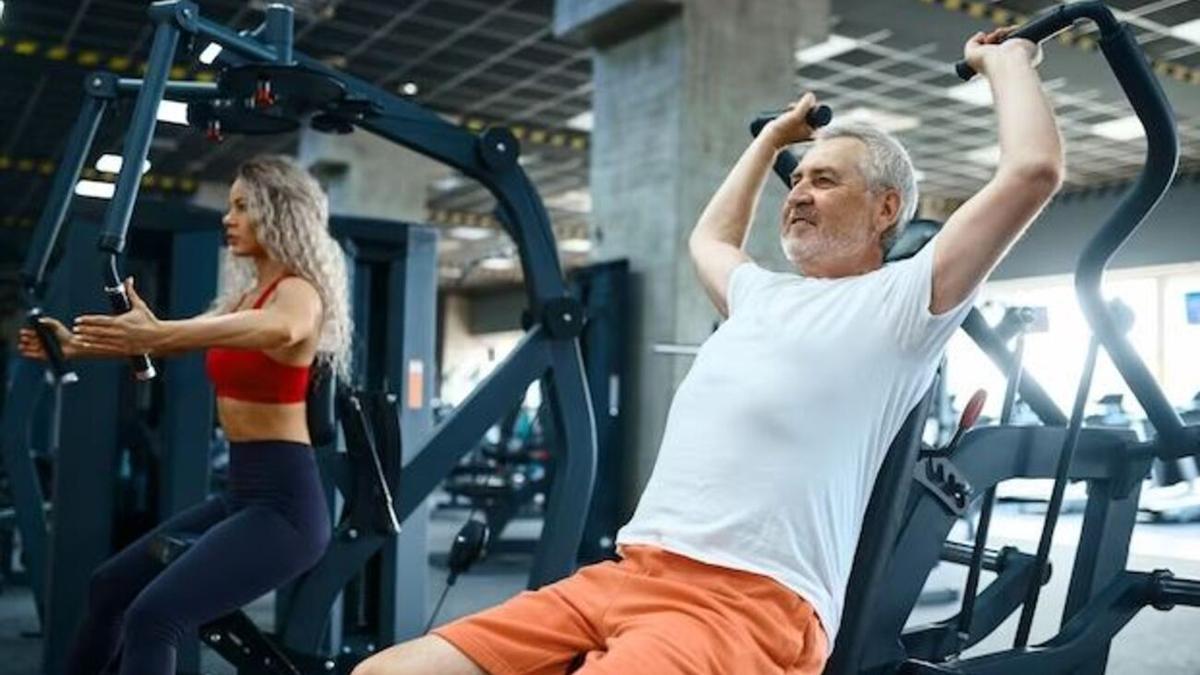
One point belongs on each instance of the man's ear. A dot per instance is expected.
(887, 211)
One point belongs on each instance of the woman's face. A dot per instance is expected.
(239, 229)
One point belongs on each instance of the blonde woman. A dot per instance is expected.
(284, 306)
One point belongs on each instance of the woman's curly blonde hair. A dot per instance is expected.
(290, 216)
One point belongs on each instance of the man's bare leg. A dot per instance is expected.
(428, 655)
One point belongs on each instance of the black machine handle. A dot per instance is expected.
(114, 288)
(1132, 70)
(59, 367)
(817, 117)
(1038, 29)
(1051, 22)
(785, 162)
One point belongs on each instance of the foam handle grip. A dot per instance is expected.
(963, 70)
(819, 116)
(816, 118)
(54, 352)
(320, 411)
(1035, 30)
(143, 368)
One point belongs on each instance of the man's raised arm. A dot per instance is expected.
(1030, 171)
(716, 244)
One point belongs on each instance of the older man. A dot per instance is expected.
(737, 557)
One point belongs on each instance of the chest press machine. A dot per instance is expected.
(910, 513)
(265, 87)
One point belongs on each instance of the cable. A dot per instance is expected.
(438, 607)
(469, 545)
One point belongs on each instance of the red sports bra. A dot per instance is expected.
(251, 375)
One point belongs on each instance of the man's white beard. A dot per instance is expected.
(787, 252)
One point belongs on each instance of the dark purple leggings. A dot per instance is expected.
(271, 526)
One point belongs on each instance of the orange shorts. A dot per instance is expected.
(652, 612)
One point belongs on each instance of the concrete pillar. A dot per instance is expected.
(676, 85)
(365, 175)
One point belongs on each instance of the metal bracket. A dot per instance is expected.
(942, 478)
(101, 84)
(563, 317)
(498, 148)
(182, 12)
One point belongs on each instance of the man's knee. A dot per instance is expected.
(429, 655)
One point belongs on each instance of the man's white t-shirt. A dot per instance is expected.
(776, 434)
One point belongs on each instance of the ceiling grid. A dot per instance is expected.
(483, 61)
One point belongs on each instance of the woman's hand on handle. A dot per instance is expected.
(135, 332)
(30, 347)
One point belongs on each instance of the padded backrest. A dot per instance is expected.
(913, 238)
(321, 416)
(885, 509)
(881, 527)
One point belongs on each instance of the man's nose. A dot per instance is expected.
(799, 194)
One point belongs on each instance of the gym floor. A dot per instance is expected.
(1163, 643)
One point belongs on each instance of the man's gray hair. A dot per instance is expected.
(888, 166)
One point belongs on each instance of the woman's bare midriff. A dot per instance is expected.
(250, 421)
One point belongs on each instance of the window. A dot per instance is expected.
(1166, 306)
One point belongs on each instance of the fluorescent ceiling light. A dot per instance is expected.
(881, 119)
(448, 245)
(1, 9)
(835, 45)
(95, 188)
(449, 182)
(409, 89)
(582, 121)
(578, 201)
(575, 245)
(989, 156)
(174, 112)
(976, 92)
(1121, 129)
(497, 264)
(1189, 30)
(210, 53)
(470, 232)
(112, 164)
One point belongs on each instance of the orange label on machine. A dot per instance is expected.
(416, 384)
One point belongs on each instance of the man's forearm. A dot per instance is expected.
(727, 217)
(1029, 137)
